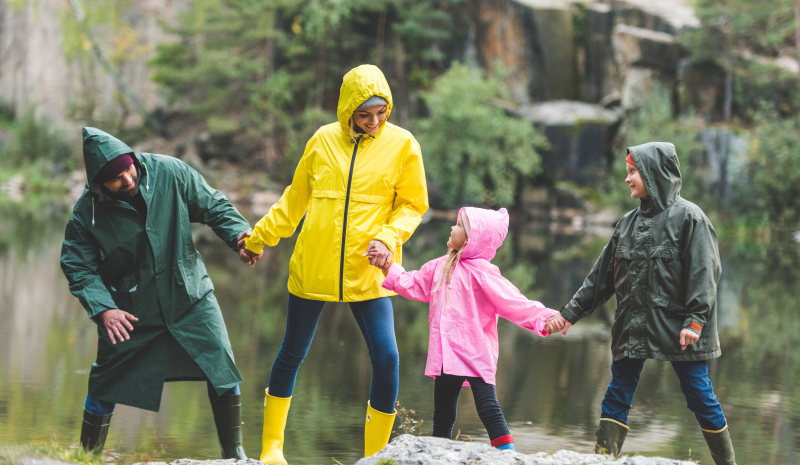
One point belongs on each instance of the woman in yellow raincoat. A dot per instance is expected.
(360, 182)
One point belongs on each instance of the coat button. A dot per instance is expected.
(148, 229)
(158, 276)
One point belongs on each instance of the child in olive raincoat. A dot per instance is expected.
(663, 264)
(467, 294)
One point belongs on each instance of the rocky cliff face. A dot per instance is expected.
(36, 71)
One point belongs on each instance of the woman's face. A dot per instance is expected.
(369, 119)
(458, 236)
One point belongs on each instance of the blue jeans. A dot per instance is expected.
(695, 385)
(101, 407)
(375, 318)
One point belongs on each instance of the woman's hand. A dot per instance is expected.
(379, 255)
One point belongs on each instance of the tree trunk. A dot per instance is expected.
(728, 104)
(381, 38)
(797, 43)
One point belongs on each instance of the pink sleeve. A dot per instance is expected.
(414, 285)
(512, 305)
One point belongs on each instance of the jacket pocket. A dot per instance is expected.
(192, 277)
(622, 264)
(666, 273)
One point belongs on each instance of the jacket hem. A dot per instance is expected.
(335, 298)
(672, 358)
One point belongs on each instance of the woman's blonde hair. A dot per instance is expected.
(353, 134)
(453, 256)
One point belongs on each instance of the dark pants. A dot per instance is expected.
(101, 407)
(445, 403)
(375, 318)
(695, 385)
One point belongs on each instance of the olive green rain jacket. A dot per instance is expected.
(663, 264)
(114, 258)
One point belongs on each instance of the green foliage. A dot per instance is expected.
(772, 186)
(33, 140)
(408, 422)
(475, 153)
(13, 454)
(275, 67)
(757, 83)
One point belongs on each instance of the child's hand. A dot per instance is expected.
(558, 323)
(379, 258)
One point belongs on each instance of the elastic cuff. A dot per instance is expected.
(569, 314)
(391, 276)
(253, 246)
(502, 440)
(615, 421)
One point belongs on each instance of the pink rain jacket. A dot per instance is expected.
(463, 337)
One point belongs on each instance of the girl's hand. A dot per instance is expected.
(379, 255)
(558, 323)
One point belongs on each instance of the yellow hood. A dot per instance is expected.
(358, 85)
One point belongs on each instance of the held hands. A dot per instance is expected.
(557, 323)
(688, 337)
(245, 255)
(116, 323)
(379, 255)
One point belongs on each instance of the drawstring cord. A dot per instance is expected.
(147, 183)
(92, 211)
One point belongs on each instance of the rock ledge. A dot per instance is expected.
(415, 450)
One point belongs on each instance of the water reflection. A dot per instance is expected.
(550, 389)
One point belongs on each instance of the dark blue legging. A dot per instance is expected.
(102, 407)
(375, 318)
(695, 385)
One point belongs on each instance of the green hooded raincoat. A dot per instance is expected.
(114, 258)
(663, 264)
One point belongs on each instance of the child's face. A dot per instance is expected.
(634, 181)
(458, 236)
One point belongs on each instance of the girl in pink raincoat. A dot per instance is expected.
(467, 294)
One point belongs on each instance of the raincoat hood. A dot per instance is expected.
(358, 85)
(488, 230)
(100, 148)
(658, 164)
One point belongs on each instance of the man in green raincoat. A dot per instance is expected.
(129, 258)
(663, 265)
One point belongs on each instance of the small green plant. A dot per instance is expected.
(386, 462)
(408, 424)
(15, 453)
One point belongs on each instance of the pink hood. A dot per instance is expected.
(488, 230)
(463, 329)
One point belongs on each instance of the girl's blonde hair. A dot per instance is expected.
(453, 256)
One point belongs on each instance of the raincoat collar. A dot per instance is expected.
(488, 230)
(659, 167)
(99, 148)
(358, 85)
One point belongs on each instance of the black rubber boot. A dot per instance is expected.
(610, 437)
(721, 447)
(94, 432)
(228, 419)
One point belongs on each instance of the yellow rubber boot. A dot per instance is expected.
(275, 411)
(377, 430)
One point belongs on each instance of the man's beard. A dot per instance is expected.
(129, 194)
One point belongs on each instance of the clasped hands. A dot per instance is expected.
(379, 255)
(245, 255)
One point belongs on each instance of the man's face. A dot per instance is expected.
(125, 184)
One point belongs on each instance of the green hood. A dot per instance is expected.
(100, 148)
(661, 173)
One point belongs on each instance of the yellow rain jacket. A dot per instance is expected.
(352, 192)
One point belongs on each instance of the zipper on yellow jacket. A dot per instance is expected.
(346, 210)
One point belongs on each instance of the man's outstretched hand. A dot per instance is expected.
(117, 324)
(245, 255)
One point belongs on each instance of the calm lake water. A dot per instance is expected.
(550, 388)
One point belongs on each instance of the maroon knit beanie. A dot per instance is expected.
(114, 168)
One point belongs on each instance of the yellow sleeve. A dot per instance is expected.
(410, 203)
(284, 216)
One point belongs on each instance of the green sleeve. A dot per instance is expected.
(210, 207)
(597, 288)
(80, 261)
(702, 271)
